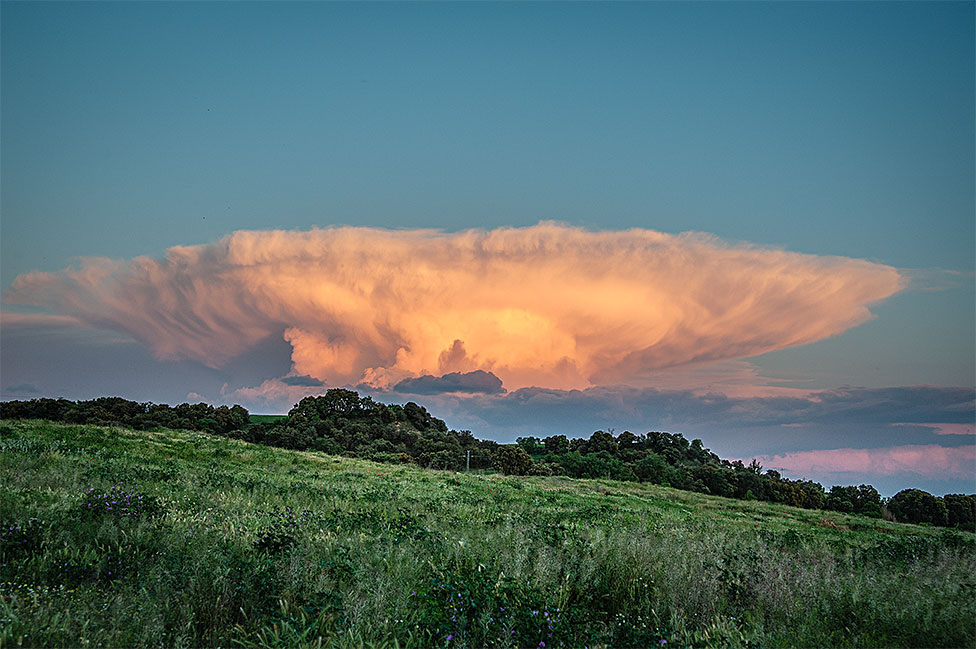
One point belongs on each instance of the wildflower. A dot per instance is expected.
(449, 637)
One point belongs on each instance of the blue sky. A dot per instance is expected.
(829, 129)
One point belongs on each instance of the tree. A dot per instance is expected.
(652, 468)
(228, 419)
(512, 460)
(868, 501)
(602, 441)
(863, 499)
(751, 485)
(719, 480)
(626, 440)
(813, 497)
(530, 444)
(421, 419)
(556, 444)
(483, 457)
(962, 511)
(602, 465)
(338, 402)
(917, 506)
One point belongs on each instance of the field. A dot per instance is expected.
(118, 538)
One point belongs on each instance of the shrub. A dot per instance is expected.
(543, 468)
(512, 460)
(280, 530)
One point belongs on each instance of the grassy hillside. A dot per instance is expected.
(113, 537)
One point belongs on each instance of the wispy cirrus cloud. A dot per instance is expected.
(548, 305)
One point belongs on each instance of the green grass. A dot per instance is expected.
(238, 545)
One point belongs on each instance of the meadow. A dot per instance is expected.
(116, 538)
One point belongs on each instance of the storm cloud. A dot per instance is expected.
(548, 305)
(478, 381)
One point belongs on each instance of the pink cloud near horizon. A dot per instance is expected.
(948, 429)
(929, 460)
(548, 305)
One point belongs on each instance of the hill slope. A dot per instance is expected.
(115, 537)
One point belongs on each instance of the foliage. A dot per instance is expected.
(512, 460)
(341, 422)
(20, 539)
(864, 500)
(961, 510)
(140, 416)
(532, 445)
(917, 506)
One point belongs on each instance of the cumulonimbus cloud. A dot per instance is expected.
(548, 305)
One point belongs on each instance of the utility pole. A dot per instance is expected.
(467, 468)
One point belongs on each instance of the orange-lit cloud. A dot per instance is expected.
(548, 305)
(928, 460)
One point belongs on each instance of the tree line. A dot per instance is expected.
(108, 411)
(341, 422)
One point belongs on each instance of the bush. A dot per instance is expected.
(512, 460)
(543, 468)
(280, 530)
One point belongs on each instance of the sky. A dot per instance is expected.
(751, 223)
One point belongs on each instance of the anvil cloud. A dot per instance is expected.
(549, 305)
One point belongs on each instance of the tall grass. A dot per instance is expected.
(247, 546)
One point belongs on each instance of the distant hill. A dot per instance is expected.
(115, 537)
